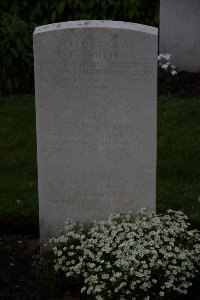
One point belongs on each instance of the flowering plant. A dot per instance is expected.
(165, 64)
(146, 257)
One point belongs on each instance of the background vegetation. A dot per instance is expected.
(19, 18)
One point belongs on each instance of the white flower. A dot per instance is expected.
(165, 66)
(168, 56)
(59, 253)
(173, 72)
(12, 265)
(126, 249)
(165, 63)
(161, 294)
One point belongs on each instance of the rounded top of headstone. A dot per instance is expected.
(96, 24)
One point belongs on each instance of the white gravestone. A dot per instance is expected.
(180, 32)
(95, 88)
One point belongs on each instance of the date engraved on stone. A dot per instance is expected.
(119, 76)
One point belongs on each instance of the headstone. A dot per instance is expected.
(180, 33)
(95, 88)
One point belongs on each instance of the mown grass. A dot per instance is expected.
(18, 167)
(178, 166)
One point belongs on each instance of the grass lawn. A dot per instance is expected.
(178, 166)
(178, 160)
(18, 167)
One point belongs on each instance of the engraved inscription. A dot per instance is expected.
(93, 55)
(96, 120)
(86, 195)
(89, 136)
(94, 76)
(92, 43)
(93, 65)
(88, 133)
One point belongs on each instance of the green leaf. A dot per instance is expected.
(60, 7)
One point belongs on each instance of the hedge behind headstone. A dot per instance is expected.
(19, 18)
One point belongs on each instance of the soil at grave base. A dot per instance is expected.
(16, 281)
(183, 85)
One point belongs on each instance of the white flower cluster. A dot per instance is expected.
(165, 64)
(123, 258)
(68, 249)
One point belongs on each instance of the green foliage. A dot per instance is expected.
(53, 285)
(16, 58)
(178, 157)
(45, 11)
(18, 167)
(18, 19)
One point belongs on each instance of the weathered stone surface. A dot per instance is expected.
(179, 32)
(95, 85)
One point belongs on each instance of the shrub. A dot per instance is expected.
(16, 58)
(147, 257)
(45, 11)
(167, 74)
(165, 64)
(18, 19)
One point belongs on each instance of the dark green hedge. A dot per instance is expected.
(18, 19)
(16, 59)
